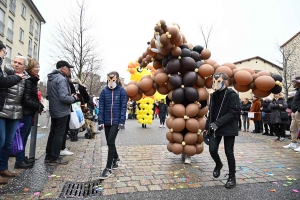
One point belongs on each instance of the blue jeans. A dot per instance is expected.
(8, 128)
(24, 132)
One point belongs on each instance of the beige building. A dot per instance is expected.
(291, 51)
(20, 28)
(257, 64)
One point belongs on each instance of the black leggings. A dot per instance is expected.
(279, 130)
(111, 133)
(229, 150)
(162, 120)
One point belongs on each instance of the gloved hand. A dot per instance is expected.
(41, 108)
(213, 126)
(121, 126)
(100, 127)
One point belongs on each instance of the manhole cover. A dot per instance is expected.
(81, 189)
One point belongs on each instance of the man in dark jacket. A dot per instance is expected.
(224, 112)
(60, 100)
(266, 117)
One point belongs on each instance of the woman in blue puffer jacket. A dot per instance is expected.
(111, 117)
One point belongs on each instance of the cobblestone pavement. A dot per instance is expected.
(146, 166)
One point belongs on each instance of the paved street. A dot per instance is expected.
(147, 170)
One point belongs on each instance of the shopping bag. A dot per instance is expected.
(17, 144)
(76, 117)
(250, 114)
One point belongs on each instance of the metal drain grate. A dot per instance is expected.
(81, 189)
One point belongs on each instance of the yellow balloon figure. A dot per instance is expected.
(144, 111)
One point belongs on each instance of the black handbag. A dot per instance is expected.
(284, 115)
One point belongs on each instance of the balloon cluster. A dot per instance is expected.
(183, 72)
(145, 110)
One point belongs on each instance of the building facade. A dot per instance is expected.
(257, 64)
(20, 28)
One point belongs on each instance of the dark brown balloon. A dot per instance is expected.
(191, 94)
(169, 121)
(206, 70)
(150, 92)
(146, 84)
(163, 89)
(173, 66)
(188, 63)
(178, 124)
(177, 148)
(136, 97)
(203, 94)
(164, 39)
(261, 93)
(208, 82)
(264, 83)
(132, 90)
(189, 150)
(205, 54)
(189, 79)
(199, 148)
(241, 88)
(161, 79)
(175, 80)
(170, 87)
(157, 64)
(169, 137)
(190, 138)
(179, 110)
(243, 77)
(192, 125)
(200, 81)
(176, 51)
(191, 110)
(202, 112)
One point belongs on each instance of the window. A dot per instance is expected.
(35, 51)
(21, 35)
(4, 2)
(8, 55)
(36, 32)
(10, 33)
(2, 25)
(29, 47)
(12, 6)
(31, 25)
(23, 11)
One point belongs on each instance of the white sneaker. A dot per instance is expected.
(66, 152)
(163, 126)
(187, 160)
(282, 139)
(38, 125)
(44, 127)
(297, 149)
(160, 126)
(291, 145)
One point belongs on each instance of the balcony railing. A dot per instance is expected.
(35, 55)
(4, 2)
(30, 51)
(10, 35)
(12, 7)
(31, 29)
(36, 34)
(2, 26)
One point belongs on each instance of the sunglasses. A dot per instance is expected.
(19, 63)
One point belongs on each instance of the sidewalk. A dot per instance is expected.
(148, 171)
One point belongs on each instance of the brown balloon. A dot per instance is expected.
(175, 39)
(241, 88)
(203, 94)
(145, 76)
(157, 71)
(178, 124)
(136, 97)
(192, 125)
(161, 79)
(150, 52)
(216, 66)
(202, 122)
(200, 81)
(206, 70)
(225, 70)
(234, 71)
(170, 87)
(210, 62)
(169, 137)
(243, 77)
(205, 54)
(146, 84)
(248, 69)
(179, 110)
(264, 73)
(173, 31)
(192, 110)
(264, 83)
(164, 40)
(177, 148)
(163, 89)
(132, 90)
(169, 121)
(189, 150)
(200, 138)
(176, 51)
(260, 93)
(177, 137)
(255, 76)
(202, 112)
(199, 148)
(131, 82)
(208, 82)
(150, 92)
(190, 138)
(170, 111)
(169, 146)
(157, 64)
(230, 65)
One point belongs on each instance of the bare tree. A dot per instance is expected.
(205, 38)
(289, 66)
(74, 43)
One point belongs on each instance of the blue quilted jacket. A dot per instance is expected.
(112, 106)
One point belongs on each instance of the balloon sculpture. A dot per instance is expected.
(183, 72)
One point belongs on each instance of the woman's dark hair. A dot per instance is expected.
(2, 46)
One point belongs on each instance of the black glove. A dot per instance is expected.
(41, 107)
(213, 126)
(121, 126)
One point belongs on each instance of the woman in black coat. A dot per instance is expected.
(163, 110)
(267, 117)
(279, 117)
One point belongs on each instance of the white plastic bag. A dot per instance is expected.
(76, 116)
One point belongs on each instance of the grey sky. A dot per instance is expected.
(241, 28)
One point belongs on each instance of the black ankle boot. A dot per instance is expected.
(231, 182)
(216, 172)
(76, 135)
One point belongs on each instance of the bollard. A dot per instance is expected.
(33, 135)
